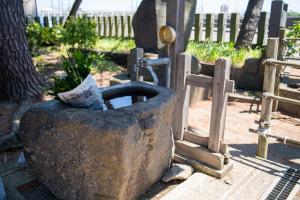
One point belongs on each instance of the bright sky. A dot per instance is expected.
(129, 5)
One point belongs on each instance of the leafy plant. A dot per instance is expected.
(78, 66)
(39, 36)
(209, 52)
(294, 32)
(80, 32)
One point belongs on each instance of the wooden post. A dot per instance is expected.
(129, 27)
(184, 61)
(122, 27)
(262, 29)
(175, 19)
(133, 59)
(221, 27)
(281, 47)
(116, 22)
(110, 28)
(219, 104)
(61, 20)
(198, 27)
(104, 26)
(234, 26)
(46, 21)
(209, 26)
(99, 26)
(266, 110)
(54, 21)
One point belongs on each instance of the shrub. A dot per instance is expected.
(39, 36)
(294, 32)
(78, 66)
(80, 32)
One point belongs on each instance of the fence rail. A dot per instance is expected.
(215, 27)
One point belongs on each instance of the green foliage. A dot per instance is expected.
(115, 45)
(78, 66)
(39, 36)
(210, 51)
(80, 32)
(294, 32)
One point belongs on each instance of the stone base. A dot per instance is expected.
(93, 154)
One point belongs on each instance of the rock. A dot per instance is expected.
(150, 16)
(93, 154)
(178, 172)
(7, 110)
(196, 66)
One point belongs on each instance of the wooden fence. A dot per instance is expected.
(214, 27)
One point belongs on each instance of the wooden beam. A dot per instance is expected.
(184, 61)
(201, 167)
(222, 19)
(200, 80)
(209, 26)
(175, 19)
(202, 140)
(205, 81)
(267, 103)
(199, 153)
(219, 104)
(234, 26)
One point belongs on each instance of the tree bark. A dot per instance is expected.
(74, 9)
(249, 24)
(18, 77)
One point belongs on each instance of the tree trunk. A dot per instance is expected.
(74, 8)
(249, 24)
(18, 77)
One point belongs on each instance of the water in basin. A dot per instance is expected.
(123, 101)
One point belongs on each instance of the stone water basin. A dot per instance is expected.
(117, 153)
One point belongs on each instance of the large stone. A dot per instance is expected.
(92, 154)
(150, 16)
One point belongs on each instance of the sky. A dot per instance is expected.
(208, 6)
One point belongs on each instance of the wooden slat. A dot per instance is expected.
(122, 27)
(221, 27)
(129, 27)
(202, 140)
(110, 28)
(99, 26)
(209, 26)
(200, 80)
(199, 153)
(46, 21)
(104, 20)
(207, 82)
(54, 21)
(203, 167)
(183, 95)
(198, 27)
(234, 26)
(116, 23)
(219, 104)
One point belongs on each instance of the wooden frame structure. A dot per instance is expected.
(207, 154)
(270, 94)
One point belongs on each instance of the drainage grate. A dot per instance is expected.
(285, 186)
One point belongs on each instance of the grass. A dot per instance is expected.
(115, 45)
(210, 51)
